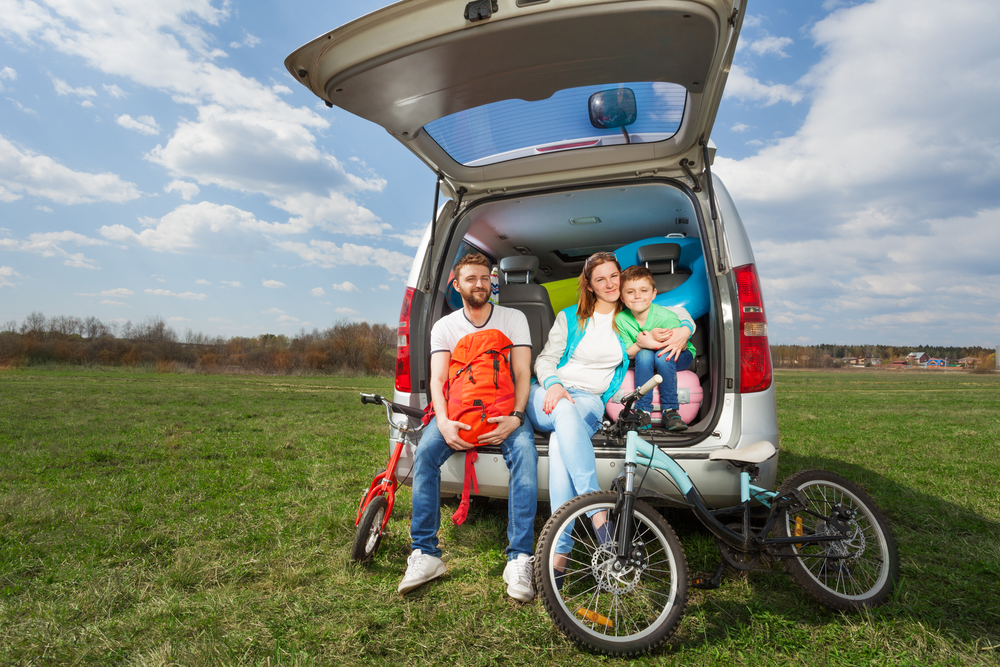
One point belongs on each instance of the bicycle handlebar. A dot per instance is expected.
(375, 399)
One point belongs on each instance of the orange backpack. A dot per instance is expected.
(480, 382)
(480, 386)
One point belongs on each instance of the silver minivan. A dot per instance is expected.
(556, 129)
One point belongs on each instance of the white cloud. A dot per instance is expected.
(380, 287)
(143, 124)
(21, 107)
(25, 173)
(115, 92)
(183, 295)
(272, 311)
(411, 238)
(178, 319)
(109, 302)
(317, 291)
(249, 41)
(345, 287)
(745, 87)
(49, 244)
(118, 291)
(347, 311)
(44, 209)
(8, 74)
(769, 44)
(202, 281)
(63, 89)
(232, 283)
(740, 127)
(217, 319)
(273, 284)
(288, 319)
(187, 190)
(327, 254)
(7, 272)
(203, 227)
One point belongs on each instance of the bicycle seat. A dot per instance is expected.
(758, 452)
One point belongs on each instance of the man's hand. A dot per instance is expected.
(553, 395)
(449, 430)
(675, 343)
(506, 425)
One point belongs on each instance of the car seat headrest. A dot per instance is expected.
(519, 269)
(660, 257)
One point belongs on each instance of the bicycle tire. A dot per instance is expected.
(868, 571)
(368, 535)
(618, 615)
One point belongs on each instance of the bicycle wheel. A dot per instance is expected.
(625, 612)
(856, 572)
(368, 535)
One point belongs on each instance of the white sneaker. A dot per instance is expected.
(420, 568)
(517, 576)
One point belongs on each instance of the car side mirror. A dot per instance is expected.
(610, 109)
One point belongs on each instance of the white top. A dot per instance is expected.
(595, 358)
(452, 328)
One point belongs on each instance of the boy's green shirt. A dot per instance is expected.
(656, 317)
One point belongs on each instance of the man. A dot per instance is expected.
(441, 438)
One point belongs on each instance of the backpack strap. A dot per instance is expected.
(458, 518)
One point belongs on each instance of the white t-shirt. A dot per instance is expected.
(450, 329)
(595, 358)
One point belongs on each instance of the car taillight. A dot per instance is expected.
(755, 353)
(403, 344)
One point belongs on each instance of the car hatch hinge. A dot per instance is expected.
(477, 10)
(649, 173)
(686, 165)
(458, 203)
(732, 17)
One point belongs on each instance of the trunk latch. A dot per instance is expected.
(480, 9)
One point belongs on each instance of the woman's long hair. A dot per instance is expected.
(586, 300)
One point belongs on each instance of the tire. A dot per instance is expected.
(869, 570)
(368, 535)
(614, 615)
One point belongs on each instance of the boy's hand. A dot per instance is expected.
(647, 341)
(676, 343)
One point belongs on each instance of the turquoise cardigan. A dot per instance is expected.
(574, 335)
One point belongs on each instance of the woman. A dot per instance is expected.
(580, 368)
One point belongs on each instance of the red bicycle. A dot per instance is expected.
(376, 503)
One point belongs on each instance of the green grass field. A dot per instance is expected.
(153, 519)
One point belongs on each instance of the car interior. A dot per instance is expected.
(540, 242)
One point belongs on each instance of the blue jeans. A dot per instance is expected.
(522, 461)
(646, 364)
(572, 465)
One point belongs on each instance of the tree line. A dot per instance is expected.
(346, 347)
(827, 356)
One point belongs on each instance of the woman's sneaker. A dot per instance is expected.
(672, 421)
(420, 568)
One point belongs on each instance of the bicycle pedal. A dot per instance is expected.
(704, 582)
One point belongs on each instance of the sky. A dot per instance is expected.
(156, 160)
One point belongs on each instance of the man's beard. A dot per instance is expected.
(476, 299)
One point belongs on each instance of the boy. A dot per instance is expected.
(657, 338)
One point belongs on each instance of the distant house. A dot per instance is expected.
(935, 362)
(917, 358)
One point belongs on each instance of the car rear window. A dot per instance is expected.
(513, 129)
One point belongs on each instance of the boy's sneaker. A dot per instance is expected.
(420, 568)
(517, 576)
(673, 422)
(647, 419)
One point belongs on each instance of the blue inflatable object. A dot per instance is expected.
(693, 293)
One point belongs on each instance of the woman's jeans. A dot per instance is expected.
(522, 461)
(572, 465)
(646, 364)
